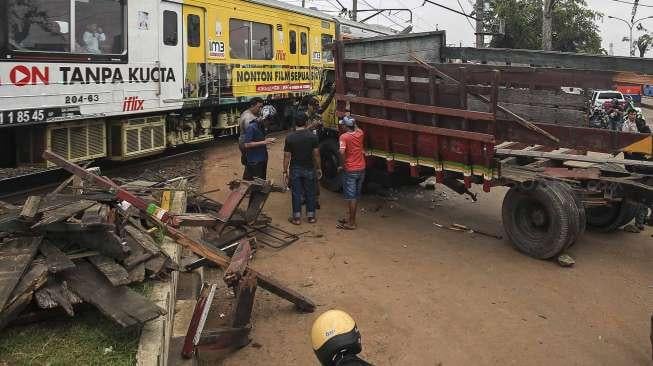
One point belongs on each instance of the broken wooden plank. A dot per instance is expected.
(56, 260)
(10, 313)
(193, 220)
(301, 302)
(143, 239)
(35, 277)
(121, 304)
(137, 273)
(15, 257)
(97, 215)
(115, 273)
(221, 338)
(155, 265)
(62, 213)
(137, 254)
(30, 208)
(57, 294)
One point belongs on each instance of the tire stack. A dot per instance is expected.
(543, 218)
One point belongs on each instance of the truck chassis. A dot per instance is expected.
(416, 118)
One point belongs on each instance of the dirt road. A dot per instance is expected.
(427, 296)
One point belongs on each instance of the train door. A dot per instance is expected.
(195, 84)
(298, 46)
(171, 52)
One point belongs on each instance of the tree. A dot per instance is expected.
(574, 27)
(644, 43)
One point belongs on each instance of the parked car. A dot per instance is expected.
(599, 97)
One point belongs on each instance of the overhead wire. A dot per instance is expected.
(468, 21)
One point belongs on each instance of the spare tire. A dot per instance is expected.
(536, 220)
(330, 159)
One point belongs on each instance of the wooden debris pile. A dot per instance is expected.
(63, 250)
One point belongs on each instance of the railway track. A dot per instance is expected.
(16, 188)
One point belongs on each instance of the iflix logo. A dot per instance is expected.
(22, 75)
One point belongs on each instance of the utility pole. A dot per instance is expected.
(354, 10)
(303, 3)
(480, 31)
(630, 25)
(611, 51)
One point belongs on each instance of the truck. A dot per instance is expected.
(458, 115)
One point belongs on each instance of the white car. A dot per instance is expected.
(599, 97)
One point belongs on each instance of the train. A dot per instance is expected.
(118, 79)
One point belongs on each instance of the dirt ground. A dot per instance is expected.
(422, 295)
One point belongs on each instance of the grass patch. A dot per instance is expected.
(81, 340)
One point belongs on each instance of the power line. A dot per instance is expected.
(453, 10)
(468, 21)
(632, 3)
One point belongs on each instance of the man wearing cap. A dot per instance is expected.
(352, 158)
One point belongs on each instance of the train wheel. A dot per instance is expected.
(537, 220)
(330, 155)
(611, 217)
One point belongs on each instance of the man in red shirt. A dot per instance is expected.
(352, 157)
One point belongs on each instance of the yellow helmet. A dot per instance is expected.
(335, 335)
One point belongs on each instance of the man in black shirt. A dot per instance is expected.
(302, 157)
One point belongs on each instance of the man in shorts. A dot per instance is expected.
(352, 158)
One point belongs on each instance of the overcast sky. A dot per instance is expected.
(428, 17)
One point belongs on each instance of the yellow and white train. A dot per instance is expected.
(114, 78)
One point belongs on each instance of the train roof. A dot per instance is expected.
(378, 29)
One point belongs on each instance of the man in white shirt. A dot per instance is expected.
(92, 38)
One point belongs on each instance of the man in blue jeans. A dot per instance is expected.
(302, 157)
(352, 157)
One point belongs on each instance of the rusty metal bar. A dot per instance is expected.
(475, 136)
(442, 111)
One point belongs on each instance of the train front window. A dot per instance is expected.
(39, 25)
(67, 26)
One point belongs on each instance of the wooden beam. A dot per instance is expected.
(585, 158)
(239, 262)
(245, 292)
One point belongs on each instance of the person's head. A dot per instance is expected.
(301, 119)
(347, 123)
(615, 102)
(92, 27)
(255, 105)
(311, 103)
(632, 115)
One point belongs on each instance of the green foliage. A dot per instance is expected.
(88, 339)
(574, 25)
(644, 43)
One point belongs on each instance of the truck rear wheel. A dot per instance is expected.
(537, 220)
(330, 157)
(577, 215)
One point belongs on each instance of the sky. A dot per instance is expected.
(459, 30)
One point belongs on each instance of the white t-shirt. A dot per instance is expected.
(243, 123)
(92, 41)
(629, 126)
